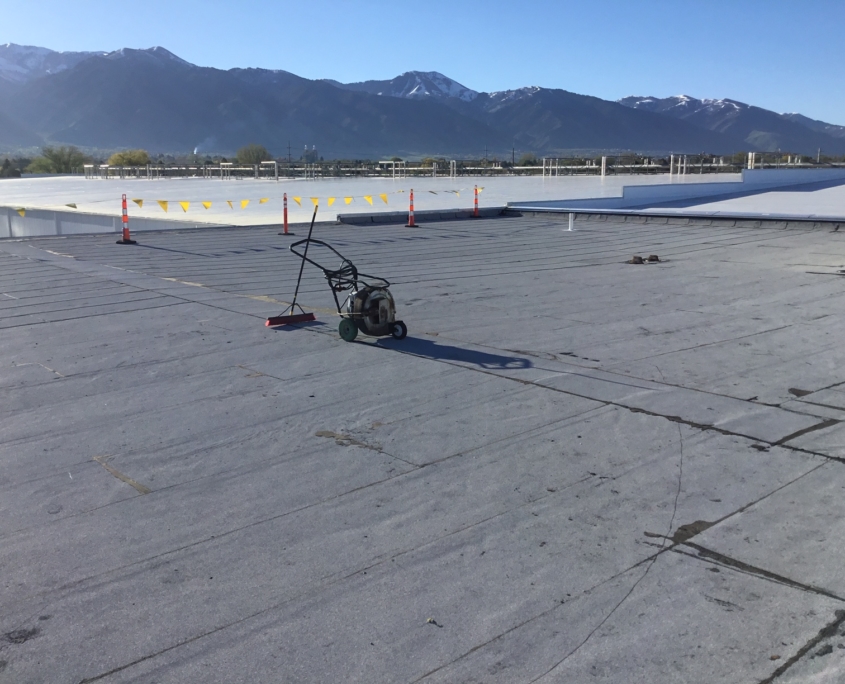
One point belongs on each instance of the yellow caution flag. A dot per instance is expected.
(244, 203)
(207, 205)
(330, 201)
(139, 202)
(348, 200)
(263, 200)
(480, 190)
(71, 205)
(298, 200)
(369, 198)
(22, 212)
(185, 206)
(315, 200)
(162, 204)
(383, 198)
(229, 202)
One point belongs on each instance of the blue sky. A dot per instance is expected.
(785, 55)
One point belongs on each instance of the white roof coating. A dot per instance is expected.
(103, 196)
(823, 200)
(797, 193)
(769, 194)
(572, 469)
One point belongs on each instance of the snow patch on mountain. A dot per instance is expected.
(764, 129)
(503, 96)
(684, 104)
(414, 85)
(22, 63)
(423, 84)
(157, 53)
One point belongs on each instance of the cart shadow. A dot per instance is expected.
(444, 352)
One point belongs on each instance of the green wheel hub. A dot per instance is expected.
(347, 329)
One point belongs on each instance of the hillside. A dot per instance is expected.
(155, 100)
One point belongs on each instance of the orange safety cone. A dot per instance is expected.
(126, 240)
(411, 223)
(285, 214)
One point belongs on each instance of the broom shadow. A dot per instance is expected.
(296, 326)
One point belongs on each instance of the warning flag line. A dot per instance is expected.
(165, 205)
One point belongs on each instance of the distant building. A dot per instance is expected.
(310, 156)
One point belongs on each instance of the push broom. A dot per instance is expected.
(289, 315)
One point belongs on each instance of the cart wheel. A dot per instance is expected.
(399, 330)
(347, 329)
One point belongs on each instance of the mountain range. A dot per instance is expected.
(760, 128)
(155, 100)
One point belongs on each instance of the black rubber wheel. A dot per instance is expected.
(347, 329)
(399, 330)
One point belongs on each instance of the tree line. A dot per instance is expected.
(69, 159)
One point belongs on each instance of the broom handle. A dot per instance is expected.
(302, 265)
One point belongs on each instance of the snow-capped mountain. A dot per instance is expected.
(22, 63)
(760, 128)
(161, 102)
(709, 113)
(501, 98)
(414, 85)
(153, 54)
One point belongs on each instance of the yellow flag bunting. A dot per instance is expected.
(244, 203)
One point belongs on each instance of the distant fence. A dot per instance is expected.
(676, 164)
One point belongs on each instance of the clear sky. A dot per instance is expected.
(785, 55)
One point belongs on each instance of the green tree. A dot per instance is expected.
(41, 165)
(253, 154)
(8, 171)
(65, 159)
(528, 159)
(130, 158)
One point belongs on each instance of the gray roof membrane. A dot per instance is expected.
(572, 469)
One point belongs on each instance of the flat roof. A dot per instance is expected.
(572, 469)
(104, 196)
(822, 200)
